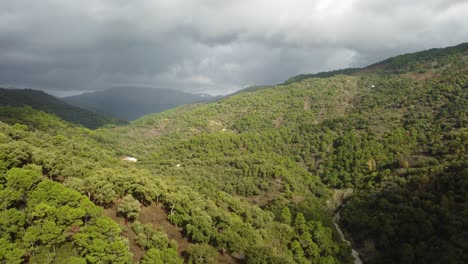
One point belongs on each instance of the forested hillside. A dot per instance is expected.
(41, 101)
(255, 177)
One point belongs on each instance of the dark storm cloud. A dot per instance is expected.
(209, 45)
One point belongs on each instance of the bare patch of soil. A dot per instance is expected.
(157, 217)
(127, 232)
(267, 196)
(422, 76)
(307, 104)
(228, 259)
(279, 121)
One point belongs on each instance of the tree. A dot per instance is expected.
(47, 233)
(297, 252)
(12, 222)
(129, 208)
(22, 180)
(164, 256)
(10, 252)
(75, 260)
(311, 249)
(200, 227)
(264, 254)
(100, 242)
(300, 224)
(148, 238)
(101, 189)
(285, 216)
(202, 254)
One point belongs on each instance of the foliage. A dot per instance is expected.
(165, 256)
(202, 254)
(300, 77)
(39, 217)
(129, 208)
(259, 182)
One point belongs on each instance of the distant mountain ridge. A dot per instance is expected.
(395, 132)
(40, 100)
(261, 176)
(129, 103)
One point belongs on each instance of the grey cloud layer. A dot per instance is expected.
(210, 45)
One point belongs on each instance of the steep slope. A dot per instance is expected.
(251, 89)
(300, 77)
(42, 101)
(422, 64)
(129, 103)
(253, 178)
(419, 62)
(41, 220)
(54, 181)
(387, 132)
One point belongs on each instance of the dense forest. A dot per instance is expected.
(255, 177)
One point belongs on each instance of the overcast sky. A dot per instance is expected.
(213, 46)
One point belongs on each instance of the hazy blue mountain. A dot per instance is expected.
(129, 103)
(42, 101)
(261, 176)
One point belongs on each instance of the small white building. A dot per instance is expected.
(131, 159)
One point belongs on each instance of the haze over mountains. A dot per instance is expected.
(129, 103)
(256, 177)
(42, 101)
(349, 144)
(394, 134)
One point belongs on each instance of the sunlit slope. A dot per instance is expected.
(389, 128)
(253, 178)
(419, 64)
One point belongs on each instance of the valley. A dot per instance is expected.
(354, 253)
(254, 177)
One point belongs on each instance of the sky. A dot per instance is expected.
(209, 46)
